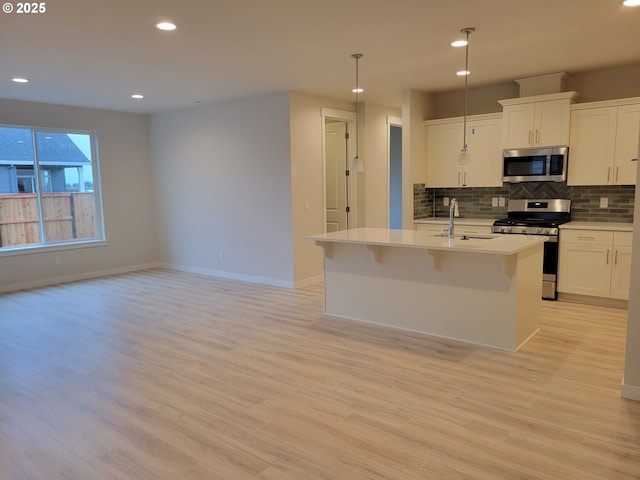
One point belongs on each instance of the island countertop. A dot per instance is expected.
(495, 244)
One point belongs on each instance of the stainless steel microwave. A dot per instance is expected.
(535, 164)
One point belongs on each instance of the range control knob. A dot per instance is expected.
(505, 229)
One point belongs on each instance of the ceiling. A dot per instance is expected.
(97, 53)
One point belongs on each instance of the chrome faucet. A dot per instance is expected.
(453, 212)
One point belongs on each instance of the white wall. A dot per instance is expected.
(222, 176)
(129, 212)
(376, 159)
(306, 180)
(417, 106)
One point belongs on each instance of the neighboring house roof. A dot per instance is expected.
(16, 148)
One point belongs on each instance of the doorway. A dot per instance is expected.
(395, 176)
(340, 189)
(335, 143)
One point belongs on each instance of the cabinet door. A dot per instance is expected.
(483, 137)
(621, 273)
(626, 156)
(584, 269)
(444, 142)
(517, 125)
(592, 146)
(551, 126)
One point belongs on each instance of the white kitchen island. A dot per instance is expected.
(485, 290)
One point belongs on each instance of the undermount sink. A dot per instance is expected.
(472, 236)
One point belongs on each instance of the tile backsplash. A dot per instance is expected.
(476, 201)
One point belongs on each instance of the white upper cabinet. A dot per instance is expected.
(444, 140)
(603, 147)
(627, 135)
(540, 121)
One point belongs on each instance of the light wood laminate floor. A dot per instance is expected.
(167, 375)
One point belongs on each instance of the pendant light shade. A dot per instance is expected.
(356, 164)
(464, 157)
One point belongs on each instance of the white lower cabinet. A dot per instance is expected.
(459, 228)
(595, 263)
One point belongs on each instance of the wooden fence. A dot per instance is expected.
(66, 216)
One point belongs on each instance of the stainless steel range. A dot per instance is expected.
(538, 217)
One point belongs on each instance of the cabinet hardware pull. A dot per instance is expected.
(530, 137)
(615, 261)
(458, 178)
(537, 136)
(617, 169)
(608, 174)
(586, 238)
(607, 256)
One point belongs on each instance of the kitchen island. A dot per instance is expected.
(481, 289)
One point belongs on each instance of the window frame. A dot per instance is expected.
(54, 245)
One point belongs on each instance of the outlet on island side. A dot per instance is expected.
(604, 202)
(445, 201)
(221, 255)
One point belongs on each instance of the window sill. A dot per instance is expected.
(31, 249)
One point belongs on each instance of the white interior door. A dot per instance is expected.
(335, 164)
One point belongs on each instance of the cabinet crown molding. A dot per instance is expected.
(470, 118)
(606, 103)
(571, 96)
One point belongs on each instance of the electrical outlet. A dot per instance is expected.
(494, 202)
(445, 201)
(604, 202)
(58, 261)
(501, 201)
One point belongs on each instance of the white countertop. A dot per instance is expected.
(602, 226)
(491, 244)
(481, 222)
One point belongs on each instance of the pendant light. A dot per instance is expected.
(464, 157)
(357, 165)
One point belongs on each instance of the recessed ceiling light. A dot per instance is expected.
(168, 26)
(631, 3)
(462, 73)
(459, 43)
(21, 80)
(137, 96)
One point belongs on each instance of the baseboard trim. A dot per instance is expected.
(230, 275)
(630, 392)
(309, 281)
(46, 282)
(589, 300)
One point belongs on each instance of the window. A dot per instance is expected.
(49, 188)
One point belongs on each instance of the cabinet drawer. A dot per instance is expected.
(623, 239)
(472, 229)
(437, 228)
(595, 237)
